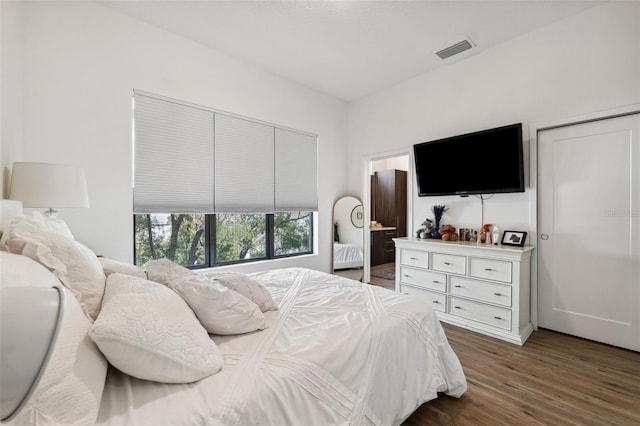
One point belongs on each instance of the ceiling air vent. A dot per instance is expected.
(454, 49)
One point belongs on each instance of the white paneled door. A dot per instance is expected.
(589, 230)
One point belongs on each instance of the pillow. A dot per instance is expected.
(70, 390)
(75, 265)
(110, 266)
(39, 222)
(219, 309)
(165, 270)
(147, 331)
(246, 286)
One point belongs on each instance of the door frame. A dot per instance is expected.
(534, 129)
(366, 198)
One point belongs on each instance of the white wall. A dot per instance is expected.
(398, 163)
(10, 89)
(81, 63)
(588, 62)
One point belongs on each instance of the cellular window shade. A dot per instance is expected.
(173, 157)
(296, 171)
(244, 166)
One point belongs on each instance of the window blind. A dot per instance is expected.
(296, 171)
(244, 166)
(173, 158)
(193, 159)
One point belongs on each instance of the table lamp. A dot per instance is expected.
(49, 186)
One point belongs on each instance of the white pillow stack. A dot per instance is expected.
(147, 331)
(219, 309)
(49, 242)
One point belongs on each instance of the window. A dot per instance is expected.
(251, 186)
(233, 238)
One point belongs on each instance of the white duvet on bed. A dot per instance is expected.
(336, 352)
(347, 256)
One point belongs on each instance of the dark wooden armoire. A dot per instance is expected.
(389, 199)
(388, 207)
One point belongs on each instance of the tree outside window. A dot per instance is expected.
(182, 238)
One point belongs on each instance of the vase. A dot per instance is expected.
(435, 232)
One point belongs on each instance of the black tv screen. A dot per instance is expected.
(484, 162)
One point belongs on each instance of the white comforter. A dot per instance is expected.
(336, 352)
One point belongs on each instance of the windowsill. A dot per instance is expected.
(258, 265)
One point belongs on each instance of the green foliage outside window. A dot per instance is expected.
(292, 233)
(179, 237)
(238, 237)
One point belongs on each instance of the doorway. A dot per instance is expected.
(388, 197)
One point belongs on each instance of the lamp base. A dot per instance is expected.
(51, 212)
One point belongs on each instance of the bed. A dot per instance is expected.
(347, 256)
(332, 351)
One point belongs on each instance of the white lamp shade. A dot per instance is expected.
(48, 185)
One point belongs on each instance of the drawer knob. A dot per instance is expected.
(498, 294)
(435, 301)
(457, 286)
(447, 263)
(436, 281)
(407, 275)
(488, 269)
(413, 258)
(498, 318)
(457, 307)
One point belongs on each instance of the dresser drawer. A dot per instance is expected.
(489, 269)
(499, 294)
(414, 258)
(422, 278)
(476, 311)
(449, 263)
(437, 300)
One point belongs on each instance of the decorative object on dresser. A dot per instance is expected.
(48, 185)
(514, 238)
(438, 211)
(483, 288)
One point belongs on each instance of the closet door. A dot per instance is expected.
(589, 230)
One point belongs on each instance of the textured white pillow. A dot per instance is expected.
(75, 265)
(219, 309)
(39, 222)
(111, 266)
(165, 270)
(70, 389)
(246, 286)
(147, 331)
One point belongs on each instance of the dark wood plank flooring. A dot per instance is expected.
(554, 379)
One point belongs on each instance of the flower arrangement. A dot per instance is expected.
(438, 211)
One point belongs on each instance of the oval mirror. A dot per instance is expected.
(348, 237)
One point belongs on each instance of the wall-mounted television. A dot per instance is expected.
(485, 162)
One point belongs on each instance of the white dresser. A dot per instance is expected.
(475, 286)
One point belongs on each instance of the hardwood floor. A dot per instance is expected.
(554, 379)
(386, 283)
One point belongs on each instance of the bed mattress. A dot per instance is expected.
(336, 352)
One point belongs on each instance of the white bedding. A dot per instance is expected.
(347, 256)
(336, 352)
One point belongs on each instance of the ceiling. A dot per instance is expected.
(348, 49)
